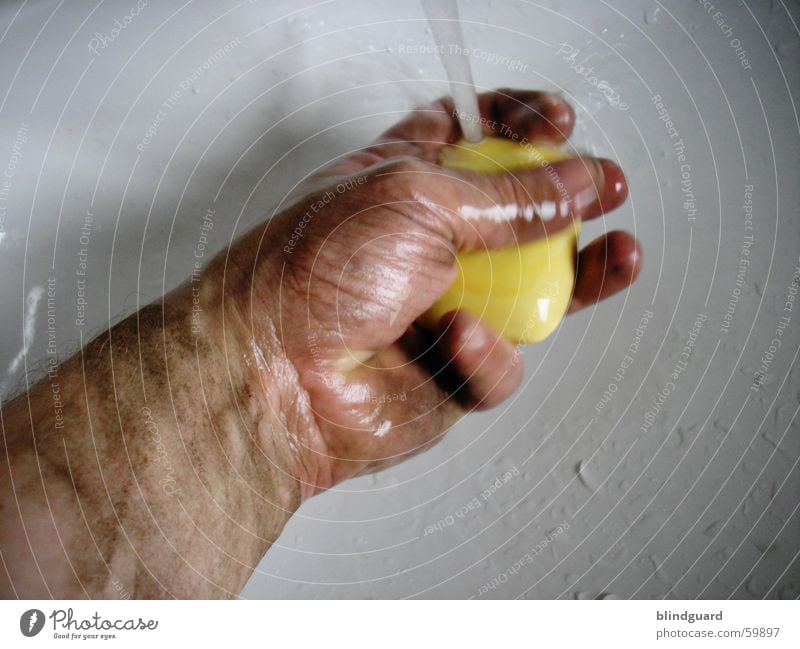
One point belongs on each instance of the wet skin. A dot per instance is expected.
(189, 433)
(380, 254)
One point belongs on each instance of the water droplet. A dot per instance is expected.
(676, 439)
(608, 596)
(658, 573)
(752, 587)
(586, 477)
(764, 379)
(711, 529)
(721, 427)
(651, 15)
(763, 548)
(583, 595)
(615, 553)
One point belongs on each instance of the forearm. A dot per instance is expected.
(152, 464)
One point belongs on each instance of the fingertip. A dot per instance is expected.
(531, 114)
(559, 115)
(567, 122)
(487, 364)
(463, 335)
(623, 257)
(631, 250)
(606, 266)
(615, 185)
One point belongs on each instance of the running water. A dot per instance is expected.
(443, 18)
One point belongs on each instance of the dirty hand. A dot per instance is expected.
(194, 428)
(343, 276)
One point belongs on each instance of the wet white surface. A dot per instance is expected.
(669, 486)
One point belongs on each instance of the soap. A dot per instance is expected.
(522, 291)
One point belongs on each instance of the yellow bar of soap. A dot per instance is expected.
(523, 291)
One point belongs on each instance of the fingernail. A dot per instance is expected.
(563, 120)
(559, 115)
(579, 182)
(615, 186)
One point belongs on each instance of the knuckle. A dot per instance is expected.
(512, 190)
(366, 158)
(535, 195)
(401, 178)
(406, 165)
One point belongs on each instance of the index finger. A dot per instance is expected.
(529, 114)
(476, 211)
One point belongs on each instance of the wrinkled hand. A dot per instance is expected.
(338, 282)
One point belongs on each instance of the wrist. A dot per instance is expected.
(164, 460)
(240, 320)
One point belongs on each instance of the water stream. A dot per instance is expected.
(444, 21)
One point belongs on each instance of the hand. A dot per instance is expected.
(192, 430)
(344, 275)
